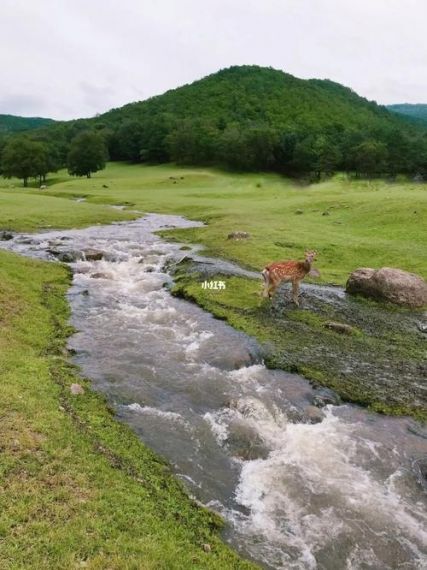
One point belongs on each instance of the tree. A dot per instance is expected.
(24, 158)
(129, 140)
(328, 156)
(305, 155)
(369, 158)
(193, 142)
(88, 153)
(252, 148)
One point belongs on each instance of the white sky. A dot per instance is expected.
(75, 58)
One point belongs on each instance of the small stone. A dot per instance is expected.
(238, 235)
(324, 397)
(299, 212)
(420, 468)
(25, 240)
(207, 547)
(6, 236)
(76, 389)
(68, 256)
(341, 328)
(64, 256)
(100, 275)
(313, 415)
(93, 254)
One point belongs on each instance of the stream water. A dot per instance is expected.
(346, 492)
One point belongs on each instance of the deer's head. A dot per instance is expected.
(310, 255)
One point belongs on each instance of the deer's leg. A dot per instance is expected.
(266, 288)
(272, 289)
(267, 283)
(295, 292)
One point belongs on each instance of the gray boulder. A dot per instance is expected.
(389, 284)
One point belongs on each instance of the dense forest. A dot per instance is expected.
(15, 124)
(251, 118)
(417, 112)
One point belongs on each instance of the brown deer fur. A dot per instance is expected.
(287, 271)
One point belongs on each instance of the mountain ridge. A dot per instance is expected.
(416, 112)
(16, 123)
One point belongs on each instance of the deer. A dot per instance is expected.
(288, 271)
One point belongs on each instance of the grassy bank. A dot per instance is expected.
(77, 488)
(351, 224)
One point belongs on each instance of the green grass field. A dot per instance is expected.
(78, 488)
(350, 224)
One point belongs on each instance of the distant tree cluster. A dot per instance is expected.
(243, 118)
(25, 158)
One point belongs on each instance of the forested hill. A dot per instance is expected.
(252, 118)
(14, 124)
(246, 94)
(416, 112)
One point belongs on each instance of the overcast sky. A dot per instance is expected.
(75, 58)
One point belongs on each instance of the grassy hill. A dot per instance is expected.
(15, 124)
(417, 112)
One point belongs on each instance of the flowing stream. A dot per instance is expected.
(334, 489)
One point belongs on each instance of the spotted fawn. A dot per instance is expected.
(288, 271)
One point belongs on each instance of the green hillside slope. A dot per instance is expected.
(14, 124)
(252, 93)
(417, 112)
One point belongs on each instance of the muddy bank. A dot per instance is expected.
(370, 353)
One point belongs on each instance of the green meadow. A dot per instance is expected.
(78, 488)
(350, 224)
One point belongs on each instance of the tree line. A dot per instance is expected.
(246, 148)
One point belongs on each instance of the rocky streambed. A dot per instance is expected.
(305, 481)
(371, 353)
